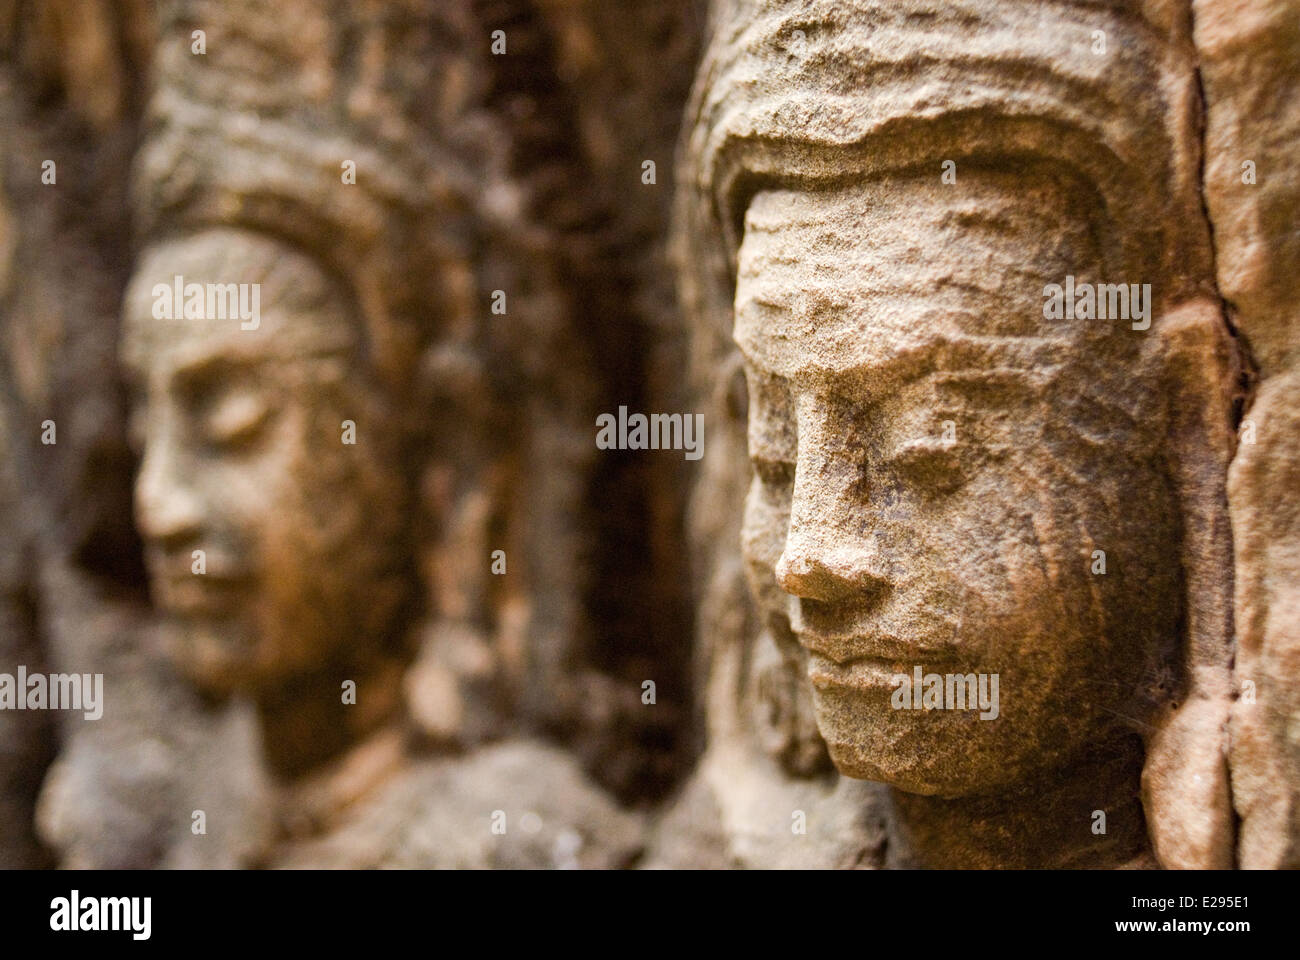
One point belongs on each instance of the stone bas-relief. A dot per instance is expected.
(327, 674)
(238, 429)
(281, 561)
(1248, 54)
(940, 475)
(882, 545)
(915, 466)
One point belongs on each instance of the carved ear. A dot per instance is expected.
(1185, 778)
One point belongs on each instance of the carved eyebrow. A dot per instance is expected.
(966, 363)
(237, 360)
(974, 381)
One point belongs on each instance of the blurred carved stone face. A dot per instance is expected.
(242, 449)
(920, 496)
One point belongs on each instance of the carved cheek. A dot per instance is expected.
(308, 502)
(767, 517)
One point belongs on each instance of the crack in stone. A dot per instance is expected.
(1247, 369)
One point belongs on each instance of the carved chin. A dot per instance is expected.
(227, 656)
(852, 761)
(218, 655)
(914, 751)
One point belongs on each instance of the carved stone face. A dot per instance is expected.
(242, 449)
(935, 465)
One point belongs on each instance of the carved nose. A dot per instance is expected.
(168, 510)
(828, 574)
(831, 552)
(801, 576)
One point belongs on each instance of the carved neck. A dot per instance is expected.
(1046, 824)
(306, 723)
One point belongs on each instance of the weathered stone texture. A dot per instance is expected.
(1248, 52)
(831, 227)
(816, 233)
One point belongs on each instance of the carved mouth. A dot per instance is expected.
(199, 594)
(844, 650)
(860, 673)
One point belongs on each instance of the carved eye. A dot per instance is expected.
(930, 465)
(235, 418)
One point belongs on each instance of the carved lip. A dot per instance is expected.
(198, 593)
(880, 648)
(858, 674)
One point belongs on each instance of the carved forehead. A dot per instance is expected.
(885, 273)
(300, 311)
